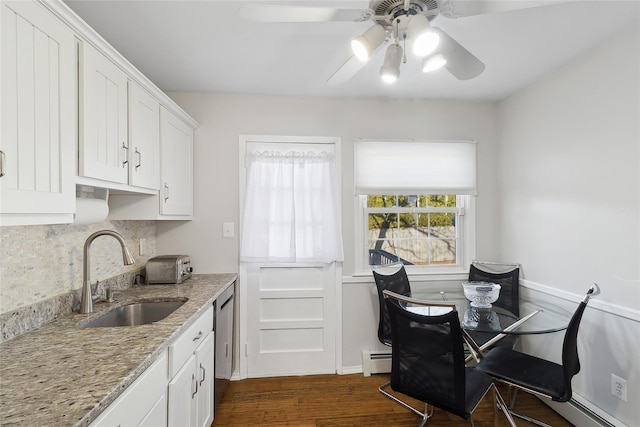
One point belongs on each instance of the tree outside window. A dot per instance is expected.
(413, 229)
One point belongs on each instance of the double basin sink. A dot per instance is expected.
(135, 314)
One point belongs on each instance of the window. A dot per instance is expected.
(414, 229)
(416, 204)
(418, 230)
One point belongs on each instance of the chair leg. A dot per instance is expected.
(531, 420)
(513, 393)
(425, 415)
(503, 406)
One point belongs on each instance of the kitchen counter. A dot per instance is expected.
(63, 375)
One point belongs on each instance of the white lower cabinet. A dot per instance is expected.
(143, 403)
(177, 390)
(191, 388)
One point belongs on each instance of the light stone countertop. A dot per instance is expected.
(63, 375)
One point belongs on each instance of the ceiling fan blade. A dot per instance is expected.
(346, 71)
(461, 8)
(275, 13)
(460, 62)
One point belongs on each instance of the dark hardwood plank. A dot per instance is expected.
(347, 400)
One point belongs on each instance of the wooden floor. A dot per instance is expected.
(346, 400)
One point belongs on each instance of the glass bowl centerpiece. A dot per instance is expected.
(481, 294)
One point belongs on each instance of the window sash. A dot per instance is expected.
(459, 238)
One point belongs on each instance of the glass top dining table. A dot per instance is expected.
(536, 316)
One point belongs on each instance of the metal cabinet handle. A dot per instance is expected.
(126, 155)
(198, 336)
(166, 192)
(195, 382)
(139, 154)
(1, 163)
(204, 372)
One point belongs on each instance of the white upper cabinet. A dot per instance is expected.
(144, 138)
(176, 148)
(104, 143)
(38, 131)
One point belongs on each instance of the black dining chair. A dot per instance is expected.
(392, 277)
(539, 376)
(508, 277)
(433, 371)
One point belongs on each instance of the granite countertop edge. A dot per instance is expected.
(62, 374)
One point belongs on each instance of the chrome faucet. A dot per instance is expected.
(86, 302)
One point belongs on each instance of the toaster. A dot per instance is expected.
(169, 269)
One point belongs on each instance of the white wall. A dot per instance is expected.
(223, 118)
(570, 212)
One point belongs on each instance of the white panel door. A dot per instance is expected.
(38, 112)
(291, 310)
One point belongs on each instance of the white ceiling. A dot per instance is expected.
(203, 46)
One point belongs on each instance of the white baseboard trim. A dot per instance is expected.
(583, 414)
(356, 369)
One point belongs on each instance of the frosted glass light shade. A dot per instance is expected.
(434, 62)
(425, 41)
(390, 70)
(364, 45)
(415, 167)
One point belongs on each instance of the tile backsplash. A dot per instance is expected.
(44, 261)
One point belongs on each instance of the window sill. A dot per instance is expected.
(367, 277)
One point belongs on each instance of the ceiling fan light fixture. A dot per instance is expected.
(390, 70)
(364, 45)
(434, 62)
(425, 40)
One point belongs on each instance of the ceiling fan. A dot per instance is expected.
(401, 24)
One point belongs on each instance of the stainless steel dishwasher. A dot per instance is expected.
(223, 327)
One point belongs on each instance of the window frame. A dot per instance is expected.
(465, 206)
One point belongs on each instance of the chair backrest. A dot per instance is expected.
(570, 359)
(392, 277)
(509, 280)
(431, 370)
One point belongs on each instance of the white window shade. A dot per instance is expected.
(412, 167)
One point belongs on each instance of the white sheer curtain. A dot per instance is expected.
(290, 211)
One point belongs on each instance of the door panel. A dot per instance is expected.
(292, 320)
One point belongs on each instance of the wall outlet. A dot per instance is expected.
(143, 246)
(228, 229)
(619, 387)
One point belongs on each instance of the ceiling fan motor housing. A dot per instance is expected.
(396, 8)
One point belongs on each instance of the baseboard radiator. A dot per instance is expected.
(376, 362)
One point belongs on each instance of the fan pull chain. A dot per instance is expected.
(404, 48)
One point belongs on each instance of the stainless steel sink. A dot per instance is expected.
(134, 314)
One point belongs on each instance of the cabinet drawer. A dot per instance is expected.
(184, 346)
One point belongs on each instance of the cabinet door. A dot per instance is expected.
(144, 138)
(38, 124)
(176, 152)
(204, 361)
(182, 409)
(143, 403)
(103, 148)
